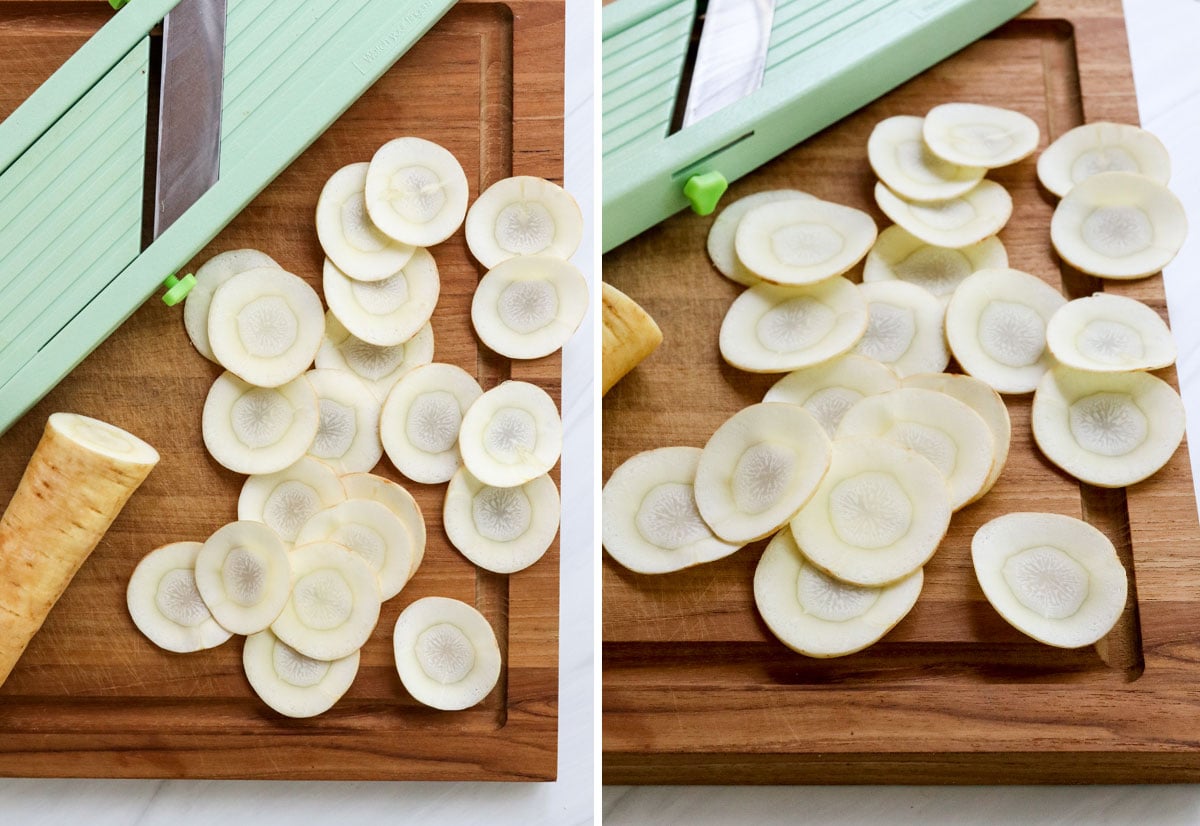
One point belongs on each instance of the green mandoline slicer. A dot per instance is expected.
(685, 115)
(231, 93)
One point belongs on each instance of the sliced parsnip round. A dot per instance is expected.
(953, 222)
(818, 616)
(291, 683)
(370, 530)
(651, 523)
(1109, 334)
(265, 325)
(724, 229)
(334, 602)
(416, 191)
(165, 605)
(285, 500)
(945, 431)
(523, 216)
(387, 312)
(976, 135)
(771, 329)
(446, 653)
(828, 390)
(1094, 148)
(396, 499)
(421, 419)
(758, 469)
(877, 516)
(1052, 577)
(983, 400)
(379, 366)
(529, 306)
(996, 325)
(244, 576)
(802, 241)
(1107, 429)
(212, 274)
(511, 434)
(904, 328)
(501, 529)
(253, 430)
(1118, 225)
(901, 256)
(897, 152)
(348, 431)
(346, 232)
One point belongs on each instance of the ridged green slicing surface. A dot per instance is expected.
(808, 29)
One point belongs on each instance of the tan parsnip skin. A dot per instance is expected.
(67, 499)
(630, 335)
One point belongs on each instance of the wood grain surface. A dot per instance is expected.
(91, 696)
(697, 690)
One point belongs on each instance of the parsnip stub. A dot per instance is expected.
(904, 328)
(291, 683)
(370, 530)
(628, 336)
(348, 430)
(501, 529)
(396, 499)
(387, 312)
(212, 274)
(523, 215)
(285, 500)
(528, 307)
(901, 256)
(421, 419)
(379, 366)
(1106, 333)
(244, 575)
(802, 241)
(721, 234)
(828, 390)
(976, 135)
(952, 222)
(1094, 148)
(416, 191)
(446, 653)
(253, 430)
(511, 434)
(165, 605)
(347, 234)
(897, 153)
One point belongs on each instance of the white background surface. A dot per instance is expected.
(568, 801)
(1163, 38)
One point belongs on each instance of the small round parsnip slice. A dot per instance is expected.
(387, 312)
(291, 683)
(348, 431)
(771, 329)
(944, 430)
(976, 135)
(284, 501)
(501, 529)
(165, 605)
(877, 516)
(523, 216)
(721, 234)
(759, 468)
(446, 653)
(252, 429)
(416, 191)
(370, 530)
(1055, 578)
(828, 390)
(511, 434)
(954, 222)
(818, 616)
(421, 419)
(651, 524)
(1118, 225)
(1107, 429)
(996, 325)
(211, 275)
(899, 156)
(334, 603)
(901, 256)
(1109, 334)
(265, 325)
(244, 576)
(1094, 148)
(396, 499)
(529, 306)
(904, 328)
(802, 241)
(380, 367)
(346, 233)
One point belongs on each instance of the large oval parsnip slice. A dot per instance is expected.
(1052, 577)
(289, 682)
(165, 605)
(771, 329)
(446, 653)
(877, 516)
(396, 499)
(501, 529)
(899, 156)
(244, 574)
(802, 241)
(758, 469)
(1094, 148)
(724, 229)
(416, 191)
(651, 523)
(1107, 429)
(529, 306)
(386, 312)
(348, 431)
(828, 390)
(379, 366)
(421, 419)
(253, 430)
(346, 232)
(816, 615)
(285, 500)
(1109, 334)
(370, 530)
(904, 328)
(523, 216)
(901, 256)
(212, 274)
(511, 434)
(953, 222)
(976, 135)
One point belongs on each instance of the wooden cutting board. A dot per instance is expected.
(91, 696)
(696, 689)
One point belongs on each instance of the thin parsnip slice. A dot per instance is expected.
(334, 602)
(446, 653)
(523, 215)
(529, 306)
(396, 499)
(285, 500)
(387, 312)
(379, 366)
(253, 430)
(347, 234)
(724, 229)
(291, 683)
(511, 434)
(212, 274)
(244, 575)
(897, 153)
(501, 529)
(416, 191)
(828, 390)
(972, 134)
(165, 605)
(1106, 333)
(370, 530)
(421, 419)
(802, 241)
(348, 429)
(901, 256)
(904, 328)
(952, 222)
(1098, 147)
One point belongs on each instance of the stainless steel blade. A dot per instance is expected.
(732, 55)
(189, 108)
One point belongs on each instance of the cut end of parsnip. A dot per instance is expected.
(528, 307)
(724, 229)
(900, 158)
(511, 434)
(901, 256)
(387, 312)
(285, 500)
(952, 222)
(104, 439)
(1095, 148)
(446, 653)
(802, 241)
(501, 529)
(253, 430)
(348, 429)
(211, 275)
(1109, 334)
(523, 216)
(904, 328)
(629, 335)
(244, 574)
(347, 234)
(421, 418)
(416, 191)
(396, 499)
(828, 390)
(976, 135)
(379, 366)
(290, 682)
(372, 531)
(165, 604)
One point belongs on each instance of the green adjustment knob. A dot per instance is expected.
(177, 288)
(118, 4)
(704, 191)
